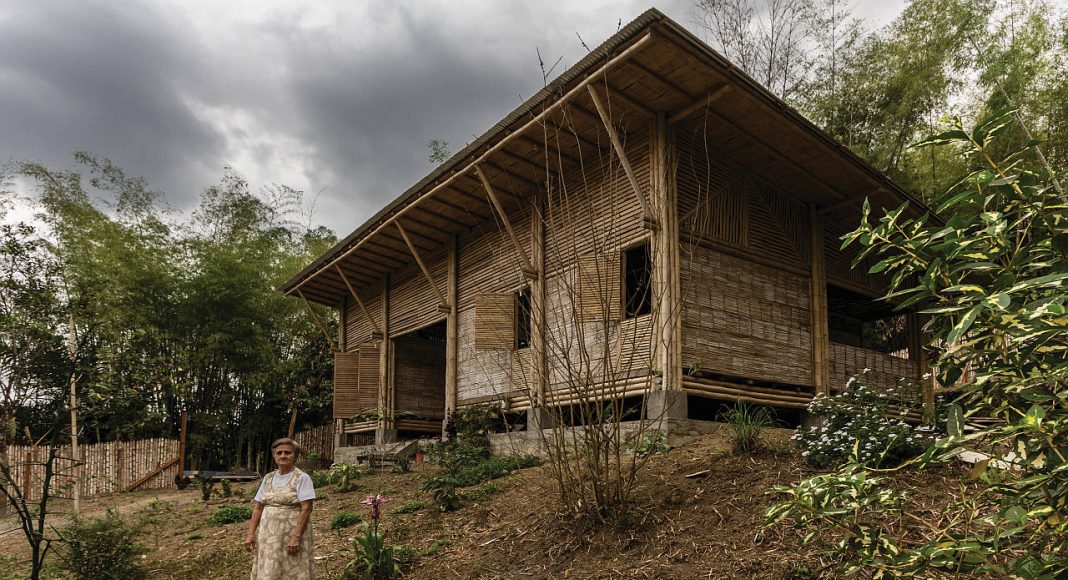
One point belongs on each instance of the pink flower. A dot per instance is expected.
(375, 503)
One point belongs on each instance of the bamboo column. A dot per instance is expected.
(385, 432)
(537, 299)
(452, 329)
(666, 275)
(821, 345)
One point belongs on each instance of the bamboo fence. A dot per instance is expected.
(320, 440)
(105, 467)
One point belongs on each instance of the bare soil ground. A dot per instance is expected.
(702, 527)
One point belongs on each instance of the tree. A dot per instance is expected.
(993, 279)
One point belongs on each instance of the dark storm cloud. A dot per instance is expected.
(338, 99)
(83, 76)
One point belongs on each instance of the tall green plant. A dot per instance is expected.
(992, 278)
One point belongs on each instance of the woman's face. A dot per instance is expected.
(284, 455)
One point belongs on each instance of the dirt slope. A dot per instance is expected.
(702, 527)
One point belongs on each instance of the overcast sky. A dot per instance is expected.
(337, 99)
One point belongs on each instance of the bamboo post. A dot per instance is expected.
(821, 346)
(292, 420)
(71, 345)
(452, 329)
(181, 445)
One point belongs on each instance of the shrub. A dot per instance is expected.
(856, 425)
(492, 468)
(443, 489)
(344, 519)
(227, 488)
(483, 491)
(345, 476)
(207, 487)
(231, 513)
(746, 423)
(411, 507)
(319, 478)
(101, 548)
(402, 465)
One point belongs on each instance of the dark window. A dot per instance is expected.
(856, 320)
(522, 318)
(637, 270)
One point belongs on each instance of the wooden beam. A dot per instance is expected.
(622, 154)
(357, 298)
(441, 216)
(181, 443)
(528, 271)
(612, 63)
(150, 474)
(452, 332)
(699, 104)
(419, 260)
(318, 322)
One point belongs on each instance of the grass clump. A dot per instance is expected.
(492, 468)
(344, 519)
(746, 423)
(231, 513)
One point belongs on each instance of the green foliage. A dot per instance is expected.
(374, 559)
(442, 489)
(654, 443)
(746, 423)
(411, 507)
(491, 468)
(992, 278)
(319, 478)
(345, 476)
(408, 555)
(227, 488)
(344, 519)
(231, 513)
(402, 465)
(101, 549)
(859, 424)
(482, 492)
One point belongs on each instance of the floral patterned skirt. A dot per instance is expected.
(271, 560)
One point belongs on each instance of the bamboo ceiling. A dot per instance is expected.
(651, 66)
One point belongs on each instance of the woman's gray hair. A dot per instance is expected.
(287, 441)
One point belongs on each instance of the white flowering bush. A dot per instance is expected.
(859, 424)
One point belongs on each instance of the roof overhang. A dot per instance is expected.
(652, 66)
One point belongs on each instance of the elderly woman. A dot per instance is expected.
(280, 531)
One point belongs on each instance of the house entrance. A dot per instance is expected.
(419, 381)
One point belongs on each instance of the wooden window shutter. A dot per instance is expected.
(346, 384)
(599, 294)
(369, 379)
(495, 322)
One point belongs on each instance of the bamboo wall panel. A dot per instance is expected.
(593, 210)
(599, 292)
(358, 328)
(346, 384)
(729, 206)
(481, 374)
(413, 303)
(495, 321)
(886, 371)
(419, 377)
(369, 379)
(744, 319)
(840, 262)
(489, 262)
(318, 439)
(107, 467)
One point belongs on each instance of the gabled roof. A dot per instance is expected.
(652, 65)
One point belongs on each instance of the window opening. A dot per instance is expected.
(522, 319)
(638, 268)
(856, 320)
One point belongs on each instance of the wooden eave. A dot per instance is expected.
(651, 65)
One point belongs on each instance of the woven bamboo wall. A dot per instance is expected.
(107, 468)
(419, 377)
(886, 370)
(745, 319)
(318, 439)
(840, 262)
(358, 328)
(592, 211)
(412, 301)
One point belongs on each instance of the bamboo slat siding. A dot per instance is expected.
(745, 319)
(319, 439)
(489, 262)
(107, 467)
(886, 370)
(412, 301)
(358, 328)
(495, 321)
(419, 378)
(346, 383)
(481, 374)
(840, 262)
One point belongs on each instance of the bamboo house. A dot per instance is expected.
(652, 226)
